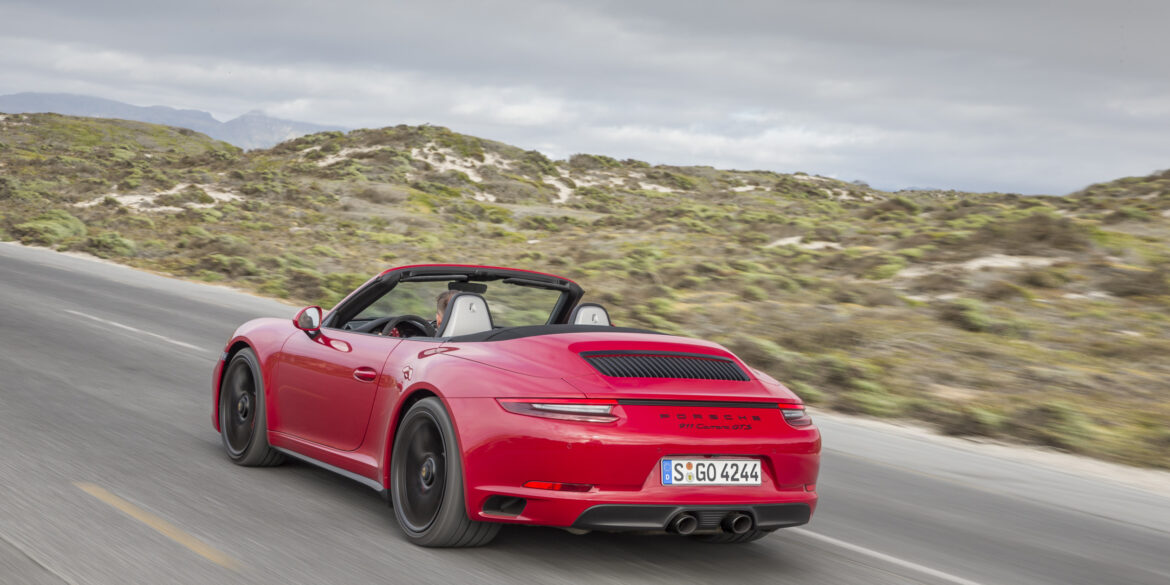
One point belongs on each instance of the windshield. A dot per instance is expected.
(511, 305)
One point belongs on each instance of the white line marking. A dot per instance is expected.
(885, 557)
(139, 331)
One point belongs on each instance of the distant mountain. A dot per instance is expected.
(251, 130)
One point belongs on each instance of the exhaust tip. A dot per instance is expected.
(684, 524)
(737, 523)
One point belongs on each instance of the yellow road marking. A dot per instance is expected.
(161, 526)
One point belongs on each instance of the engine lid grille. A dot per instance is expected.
(664, 364)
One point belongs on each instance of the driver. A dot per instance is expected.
(441, 303)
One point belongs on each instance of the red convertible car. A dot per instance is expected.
(519, 404)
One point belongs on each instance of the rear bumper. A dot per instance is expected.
(618, 517)
(621, 462)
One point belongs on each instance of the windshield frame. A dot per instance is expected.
(377, 287)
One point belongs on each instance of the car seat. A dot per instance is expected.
(590, 314)
(467, 313)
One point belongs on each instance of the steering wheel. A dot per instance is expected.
(408, 326)
(372, 326)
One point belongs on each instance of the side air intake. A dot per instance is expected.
(664, 364)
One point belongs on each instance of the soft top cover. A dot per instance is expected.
(506, 333)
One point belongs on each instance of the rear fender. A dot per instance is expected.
(461, 378)
(411, 395)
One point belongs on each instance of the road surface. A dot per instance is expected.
(110, 472)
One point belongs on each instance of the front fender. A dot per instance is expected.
(264, 337)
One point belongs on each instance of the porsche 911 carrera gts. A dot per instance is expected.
(518, 404)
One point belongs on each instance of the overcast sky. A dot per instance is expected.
(1026, 96)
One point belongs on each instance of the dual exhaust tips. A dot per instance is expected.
(687, 523)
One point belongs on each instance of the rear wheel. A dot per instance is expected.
(426, 481)
(732, 538)
(242, 421)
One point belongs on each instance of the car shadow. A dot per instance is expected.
(627, 557)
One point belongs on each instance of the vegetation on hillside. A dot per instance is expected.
(1038, 319)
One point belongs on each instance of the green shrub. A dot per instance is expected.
(304, 283)
(202, 215)
(869, 295)
(195, 231)
(593, 162)
(967, 314)
(226, 244)
(1045, 278)
(873, 404)
(807, 393)
(109, 245)
(274, 287)
(868, 386)
(690, 281)
(209, 276)
(189, 195)
(323, 250)
(914, 253)
(344, 282)
(753, 293)
(49, 228)
(1000, 290)
(1034, 234)
(1128, 213)
(1135, 282)
(229, 265)
(1054, 423)
(934, 282)
(759, 352)
(973, 421)
(885, 271)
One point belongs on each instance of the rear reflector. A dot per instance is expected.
(559, 487)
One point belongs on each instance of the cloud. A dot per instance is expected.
(1020, 95)
(513, 106)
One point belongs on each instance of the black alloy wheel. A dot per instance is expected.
(242, 423)
(424, 472)
(426, 481)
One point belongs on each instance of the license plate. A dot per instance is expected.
(710, 472)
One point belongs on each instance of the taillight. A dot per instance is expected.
(596, 411)
(795, 415)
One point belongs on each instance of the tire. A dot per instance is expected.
(731, 538)
(426, 481)
(243, 424)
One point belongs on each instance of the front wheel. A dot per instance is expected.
(426, 481)
(242, 421)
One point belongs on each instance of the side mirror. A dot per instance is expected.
(308, 319)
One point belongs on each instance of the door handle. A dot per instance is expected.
(365, 374)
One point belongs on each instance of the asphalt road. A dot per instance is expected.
(110, 472)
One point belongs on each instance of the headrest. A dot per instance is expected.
(466, 313)
(590, 314)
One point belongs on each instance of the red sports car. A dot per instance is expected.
(518, 404)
